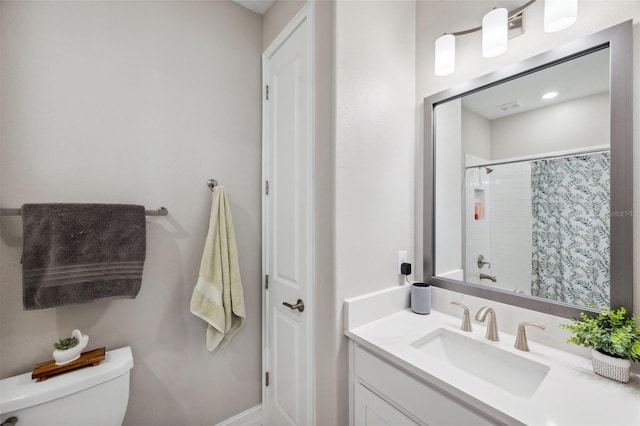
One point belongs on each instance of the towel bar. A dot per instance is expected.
(162, 211)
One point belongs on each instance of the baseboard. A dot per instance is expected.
(250, 417)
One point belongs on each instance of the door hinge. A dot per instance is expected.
(266, 92)
(266, 187)
(266, 282)
(266, 378)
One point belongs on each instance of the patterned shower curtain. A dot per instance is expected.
(570, 255)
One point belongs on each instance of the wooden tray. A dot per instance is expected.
(44, 370)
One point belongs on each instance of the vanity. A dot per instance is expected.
(410, 369)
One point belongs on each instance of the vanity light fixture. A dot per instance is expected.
(559, 14)
(445, 54)
(549, 95)
(496, 27)
(494, 33)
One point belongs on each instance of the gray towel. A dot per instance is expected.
(78, 253)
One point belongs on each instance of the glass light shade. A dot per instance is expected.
(445, 62)
(494, 33)
(559, 14)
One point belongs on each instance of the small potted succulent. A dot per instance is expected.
(69, 349)
(614, 340)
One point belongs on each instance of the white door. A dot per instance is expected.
(288, 226)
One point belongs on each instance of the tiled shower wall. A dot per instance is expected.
(477, 232)
(503, 236)
(511, 225)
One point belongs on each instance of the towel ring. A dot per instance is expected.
(212, 183)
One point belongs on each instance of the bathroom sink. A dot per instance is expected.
(511, 372)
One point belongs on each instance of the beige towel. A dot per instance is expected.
(218, 298)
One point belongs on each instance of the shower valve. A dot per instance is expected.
(481, 262)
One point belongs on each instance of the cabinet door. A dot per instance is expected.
(371, 410)
(423, 402)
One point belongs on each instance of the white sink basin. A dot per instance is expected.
(508, 371)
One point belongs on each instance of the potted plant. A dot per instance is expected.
(69, 349)
(613, 338)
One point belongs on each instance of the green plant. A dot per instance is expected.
(65, 344)
(612, 333)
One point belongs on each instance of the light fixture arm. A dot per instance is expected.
(515, 12)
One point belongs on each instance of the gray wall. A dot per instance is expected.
(277, 17)
(476, 134)
(137, 102)
(374, 155)
(571, 125)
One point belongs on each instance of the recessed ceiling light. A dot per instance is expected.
(550, 95)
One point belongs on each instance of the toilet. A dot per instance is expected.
(90, 396)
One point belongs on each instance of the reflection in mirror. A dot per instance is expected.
(515, 206)
(523, 184)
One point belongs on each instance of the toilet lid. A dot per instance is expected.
(22, 391)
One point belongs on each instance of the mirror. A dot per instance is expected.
(528, 199)
(534, 168)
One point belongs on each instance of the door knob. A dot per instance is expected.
(299, 305)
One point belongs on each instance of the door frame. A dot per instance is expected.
(305, 14)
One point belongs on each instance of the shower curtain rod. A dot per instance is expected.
(162, 211)
(543, 157)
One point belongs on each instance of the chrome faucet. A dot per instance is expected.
(488, 277)
(492, 325)
(521, 338)
(466, 321)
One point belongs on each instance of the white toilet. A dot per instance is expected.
(90, 396)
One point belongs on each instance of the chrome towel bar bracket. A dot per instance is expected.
(212, 183)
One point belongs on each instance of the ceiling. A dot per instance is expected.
(583, 76)
(258, 6)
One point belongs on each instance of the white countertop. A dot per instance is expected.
(571, 393)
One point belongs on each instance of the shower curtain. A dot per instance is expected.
(570, 253)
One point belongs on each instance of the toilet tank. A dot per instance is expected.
(90, 396)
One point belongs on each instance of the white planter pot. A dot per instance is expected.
(68, 355)
(610, 367)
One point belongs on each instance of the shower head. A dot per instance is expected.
(488, 169)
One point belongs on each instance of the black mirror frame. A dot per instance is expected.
(620, 42)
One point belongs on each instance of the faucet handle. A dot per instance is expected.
(482, 262)
(521, 338)
(466, 320)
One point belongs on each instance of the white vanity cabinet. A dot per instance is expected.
(371, 410)
(395, 378)
(383, 394)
